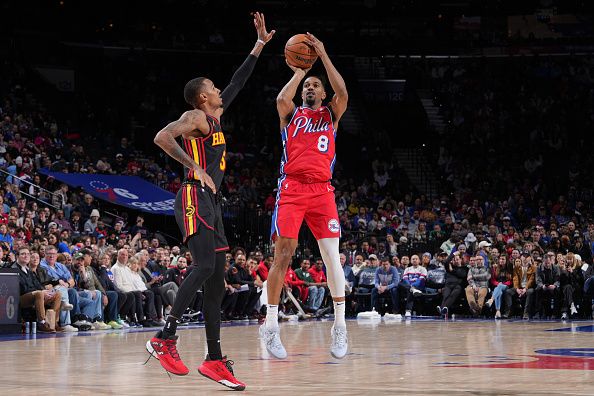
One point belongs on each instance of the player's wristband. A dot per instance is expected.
(261, 42)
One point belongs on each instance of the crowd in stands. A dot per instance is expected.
(512, 159)
(531, 115)
(476, 276)
(514, 237)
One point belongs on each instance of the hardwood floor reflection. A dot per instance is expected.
(420, 357)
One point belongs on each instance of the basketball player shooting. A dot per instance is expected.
(304, 192)
(198, 213)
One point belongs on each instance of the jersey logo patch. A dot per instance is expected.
(190, 210)
(304, 124)
(218, 138)
(334, 226)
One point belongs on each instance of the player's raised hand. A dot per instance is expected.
(260, 24)
(316, 44)
(297, 69)
(204, 178)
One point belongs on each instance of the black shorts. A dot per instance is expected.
(198, 210)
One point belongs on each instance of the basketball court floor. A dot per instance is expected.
(422, 356)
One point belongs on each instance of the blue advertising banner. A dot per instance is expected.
(130, 191)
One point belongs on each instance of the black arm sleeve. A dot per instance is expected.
(238, 80)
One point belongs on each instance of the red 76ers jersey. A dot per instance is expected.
(309, 145)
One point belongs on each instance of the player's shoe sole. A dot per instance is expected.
(210, 375)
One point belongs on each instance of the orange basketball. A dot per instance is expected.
(298, 53)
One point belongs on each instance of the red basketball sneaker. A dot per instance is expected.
(165, 350)
(221, 371)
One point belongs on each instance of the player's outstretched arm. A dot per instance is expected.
(284, 100)
(341, 96)
(245, 70)
(188, 123)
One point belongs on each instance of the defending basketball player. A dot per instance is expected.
(198, 213)
(304, 192)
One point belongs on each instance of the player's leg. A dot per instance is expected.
(329, 248)
(216, 367)
(214, 291)
(286, 221)
(284, 249)
(195, 216)
(201, 242)
(203, 255)
(322, 219)
(202, 248)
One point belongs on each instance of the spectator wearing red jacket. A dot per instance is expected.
(264, 267)
(313, 292)
(293, 284)
(317, 273)
(501, 279)
(319, 277)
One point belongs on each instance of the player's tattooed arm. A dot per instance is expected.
(191, 124)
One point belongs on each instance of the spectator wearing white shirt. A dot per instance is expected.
(147, 314)
(124, 282)
(122, 275)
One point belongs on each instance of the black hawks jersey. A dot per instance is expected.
(208, 152)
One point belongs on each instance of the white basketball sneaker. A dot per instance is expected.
(340, 342)
(271, 338)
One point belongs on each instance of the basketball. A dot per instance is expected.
(298, 53)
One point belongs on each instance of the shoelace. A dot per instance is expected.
(229, 364)
(273, 339)
(339, 337)
(172, 349)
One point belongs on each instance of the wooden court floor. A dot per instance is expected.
(416, 357)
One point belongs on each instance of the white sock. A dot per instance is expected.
(339, 307)
(272, 316)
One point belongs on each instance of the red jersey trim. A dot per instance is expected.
(205, 223)
(210, 125)
(203, 154)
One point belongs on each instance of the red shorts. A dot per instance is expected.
(313, 202)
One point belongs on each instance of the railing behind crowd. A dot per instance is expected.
(45, 197)
(40, 195)
(250, 229)
(426, 183)
(247, 227)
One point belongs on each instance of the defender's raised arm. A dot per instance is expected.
(244, 71)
